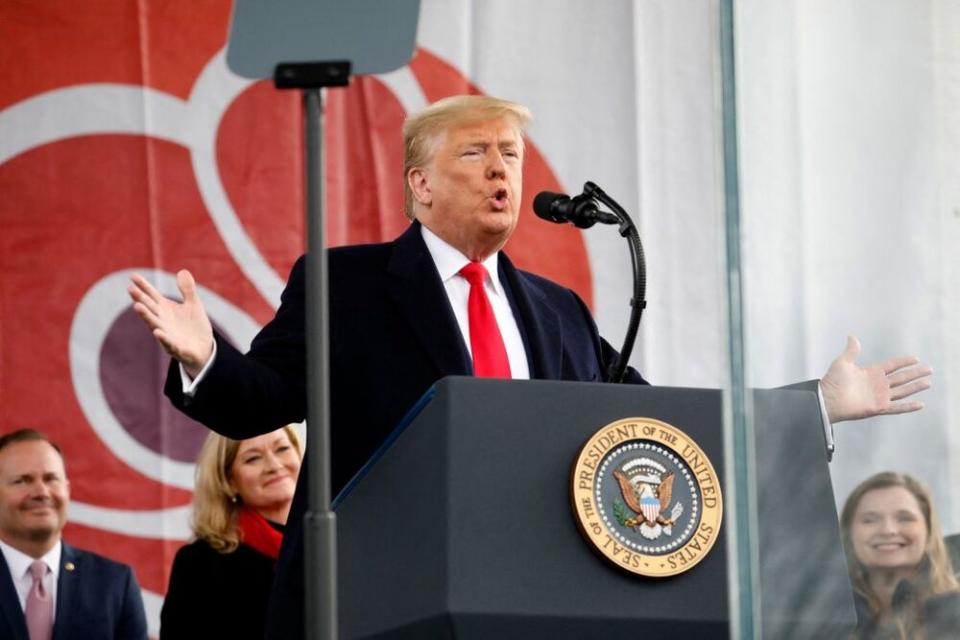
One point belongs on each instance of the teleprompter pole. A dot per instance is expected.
(320, 525)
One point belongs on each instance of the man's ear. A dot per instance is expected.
(419, 184)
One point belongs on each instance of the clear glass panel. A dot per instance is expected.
(849, 219)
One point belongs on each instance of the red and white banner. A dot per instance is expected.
(126, 145)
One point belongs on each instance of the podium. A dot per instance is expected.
(461, 525)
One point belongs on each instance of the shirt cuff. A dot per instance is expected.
(827, 425)
(190, 386)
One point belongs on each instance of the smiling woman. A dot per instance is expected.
(220, 583)
(902, 577)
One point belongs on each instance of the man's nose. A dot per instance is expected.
(496, 167)
(39, 490)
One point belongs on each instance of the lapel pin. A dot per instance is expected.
(69, 566)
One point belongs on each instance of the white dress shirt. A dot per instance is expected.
(449, 261)
(19, 565)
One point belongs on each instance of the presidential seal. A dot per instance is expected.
(646, 497)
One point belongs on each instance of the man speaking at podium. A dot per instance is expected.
(439, 300)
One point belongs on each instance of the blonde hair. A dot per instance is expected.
(936, 564)
(422, 129)
(215, 503)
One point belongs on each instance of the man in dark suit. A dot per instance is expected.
(402, 317)
(49, 589)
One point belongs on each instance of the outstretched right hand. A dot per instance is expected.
(182, 328)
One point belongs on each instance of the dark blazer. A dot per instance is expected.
(217, 595)
(97, 598)
(392, 336)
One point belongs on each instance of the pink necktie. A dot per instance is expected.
(489, 354)
(39, 610)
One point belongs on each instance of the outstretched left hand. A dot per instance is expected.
(852, 392)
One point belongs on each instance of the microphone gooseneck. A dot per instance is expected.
(582, 211)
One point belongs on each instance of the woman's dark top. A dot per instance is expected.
(217, 595)
(941, 615)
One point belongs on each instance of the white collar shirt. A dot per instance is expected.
(19, 565)
(449, 261)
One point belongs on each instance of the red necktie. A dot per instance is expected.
(489, 354)
(39, 609)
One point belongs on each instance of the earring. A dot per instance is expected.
(234, 499)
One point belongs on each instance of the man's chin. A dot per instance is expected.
(40, 532)
(500, 224)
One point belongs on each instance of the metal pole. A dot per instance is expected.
(320, 526)
(739, 449)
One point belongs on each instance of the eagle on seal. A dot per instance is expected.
(648, 503)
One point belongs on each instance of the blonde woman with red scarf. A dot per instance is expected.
(220, 583)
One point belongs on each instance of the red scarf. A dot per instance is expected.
(258, 533)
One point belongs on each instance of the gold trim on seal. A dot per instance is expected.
(646, 437)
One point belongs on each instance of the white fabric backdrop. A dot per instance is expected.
(850, 156)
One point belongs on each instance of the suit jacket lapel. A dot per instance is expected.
(66, 590)
(540, 324)
(13, 621)
(416, 289)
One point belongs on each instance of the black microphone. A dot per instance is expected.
(580, 210)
